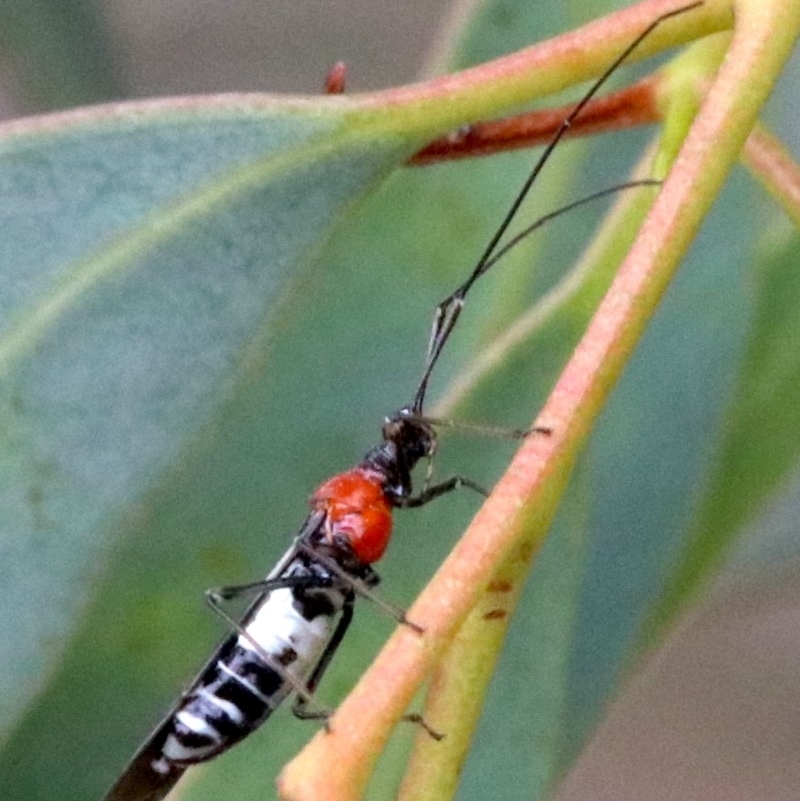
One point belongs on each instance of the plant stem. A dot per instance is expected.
(523, 503)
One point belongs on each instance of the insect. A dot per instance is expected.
(302, 609)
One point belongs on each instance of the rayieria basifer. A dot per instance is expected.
(302, 609)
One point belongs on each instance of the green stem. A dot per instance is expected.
(461, 679)
(441, 104)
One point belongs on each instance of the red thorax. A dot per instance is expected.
(356, 510)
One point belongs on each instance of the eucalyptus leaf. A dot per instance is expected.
(186, 353)
(136, 277)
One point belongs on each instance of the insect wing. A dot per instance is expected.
(139, 782)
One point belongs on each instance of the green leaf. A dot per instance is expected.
(151, 252)
(760, 438)
(144, 254)
(186, 354)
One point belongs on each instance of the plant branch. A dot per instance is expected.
(775, 168)
(336, 766)
(635, 105)
(458, 686)
(545, 68)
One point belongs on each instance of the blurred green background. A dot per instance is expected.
(714, 715)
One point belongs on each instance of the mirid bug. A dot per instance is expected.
(303, 608)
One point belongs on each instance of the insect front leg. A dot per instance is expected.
(435, 490)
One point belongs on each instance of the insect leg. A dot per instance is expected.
(363, 587)
(214, 598)
(300, 706)
(435, 490)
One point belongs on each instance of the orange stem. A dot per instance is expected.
(774, 166)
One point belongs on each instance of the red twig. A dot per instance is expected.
(629, 107)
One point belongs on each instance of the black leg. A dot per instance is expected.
(300, 707)
(434, 491)
(363, 587)
(413, 717)
(214, 597)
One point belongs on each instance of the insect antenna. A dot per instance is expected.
(546, 218)
(449, 310)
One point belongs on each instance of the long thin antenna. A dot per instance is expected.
(448, 311)
(551, 215)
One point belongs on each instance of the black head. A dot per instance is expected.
(407, 438)
(412, 436)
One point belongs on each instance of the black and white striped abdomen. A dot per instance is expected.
(239, 689)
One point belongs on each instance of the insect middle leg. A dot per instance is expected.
(300, 707)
